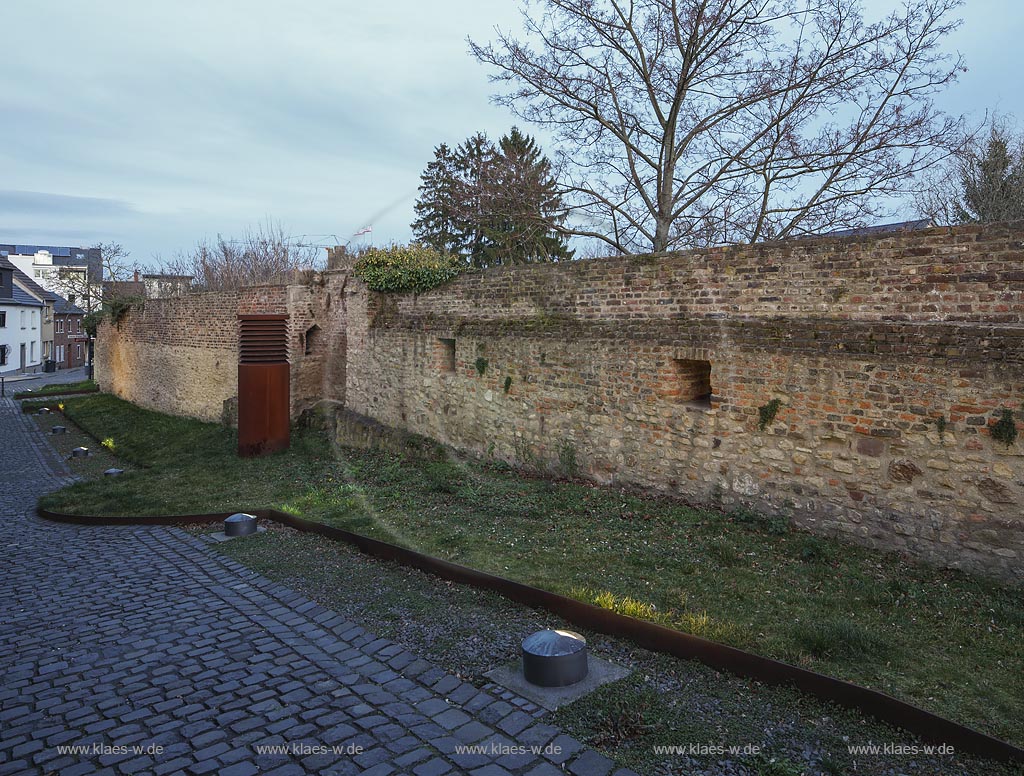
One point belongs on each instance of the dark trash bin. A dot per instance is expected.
(49, 365)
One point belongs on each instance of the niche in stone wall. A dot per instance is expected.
(446, 354)
(311, 340)
(691, 382)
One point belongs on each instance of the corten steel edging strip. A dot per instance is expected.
(658, 638)
(83, 392)
(55, 397)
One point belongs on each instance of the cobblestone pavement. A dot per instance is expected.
(14, 382)
(159, 656)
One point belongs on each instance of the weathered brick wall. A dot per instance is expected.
(180, 355)
(870, 344)
(892, 358)
(969, 273)
(175, 355)
(316, 327)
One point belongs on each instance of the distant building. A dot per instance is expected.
(49, 299)
(61, 269)
(21, 322)
(70, 343)
(147, 285)
(900, 226)
(161, 285)
(123, 289)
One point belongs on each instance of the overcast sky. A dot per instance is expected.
(157, 124)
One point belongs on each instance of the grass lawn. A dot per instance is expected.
(947, 641)
(56, 389)
(664, 702)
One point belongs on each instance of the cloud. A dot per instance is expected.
(53, 205)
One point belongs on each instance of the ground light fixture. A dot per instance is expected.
(554, 658)
(240, 524)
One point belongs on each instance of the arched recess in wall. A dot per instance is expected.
(312, 340)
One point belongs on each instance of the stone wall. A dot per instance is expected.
(173, 355)
(180, 354)
(891, 359)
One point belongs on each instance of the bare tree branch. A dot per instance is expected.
(689, 122)
(265, 254)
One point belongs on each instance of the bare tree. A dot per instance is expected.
(265, 254)
(694, 122)
(81, 285)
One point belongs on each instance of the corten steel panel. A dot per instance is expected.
(263, 385)
(263, 418)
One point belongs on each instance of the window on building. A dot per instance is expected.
(3, 320)
(3, 355)
(32, 351)
(34, 319)
(78, 325)
(446, 354)
(23, 319)
(60, 325)
(78, 351)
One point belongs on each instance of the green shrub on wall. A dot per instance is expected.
(403, 268)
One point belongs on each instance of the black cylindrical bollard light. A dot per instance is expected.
(240, 524)
(554, 658)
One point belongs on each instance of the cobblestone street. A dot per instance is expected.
(153, 654)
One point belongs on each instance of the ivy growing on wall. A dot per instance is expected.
(404, 268)
(1005, 429)
(767, 412)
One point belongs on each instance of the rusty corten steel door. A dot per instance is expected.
(263, 384)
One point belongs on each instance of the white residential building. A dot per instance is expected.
(67, 271)
(21, 325)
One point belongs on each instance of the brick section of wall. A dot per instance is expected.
(316, 327)
(966, 273)
(175, 355)
(180, 354)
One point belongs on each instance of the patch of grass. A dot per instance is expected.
(777, 525)
(34, 405)
(832, 639)
(813, 549)
(58, 388)
(100, 458)
(442, 477)
(724, 553)
(950, 642)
